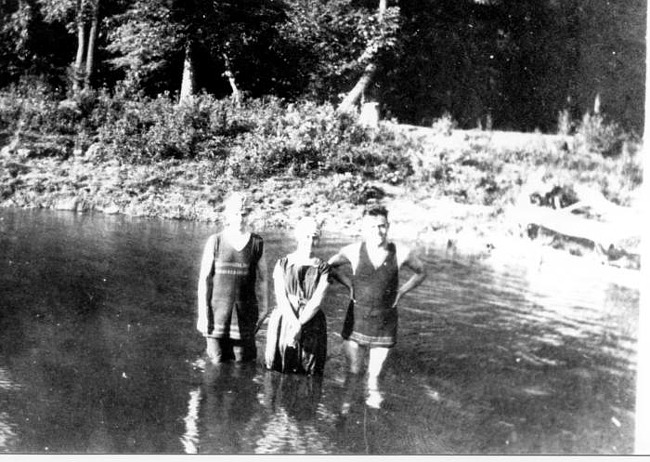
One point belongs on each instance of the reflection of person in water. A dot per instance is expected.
(7, 433)
(292, 401)
(222, 413)
(297, 331)
(297, 395)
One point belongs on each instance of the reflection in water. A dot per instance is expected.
(190, 438)
(223, 411)
(97, 328)
(293, 403)
(7, 428)
(241, 409)
(7, 434)
(5, 381)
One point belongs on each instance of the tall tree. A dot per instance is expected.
(235, 34)
(92, 39)
(379, 32)
(188, 82)
(82, 17)
(143, 41)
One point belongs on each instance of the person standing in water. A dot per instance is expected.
(297, 330)
(232, 286)
(371, 321)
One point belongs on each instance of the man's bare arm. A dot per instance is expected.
(205, 285)
(337, 274)
(419, 275)
(262, 288)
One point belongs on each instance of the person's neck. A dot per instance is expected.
(234, 231)
(302, 255)
(377, 246)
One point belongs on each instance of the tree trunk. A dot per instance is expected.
(382, 9)
(92, 38)
(359, 89)
(77, 68)
(236, 94)
(188, 82)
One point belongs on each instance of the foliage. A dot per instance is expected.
(270, 137)
(595, 134)
(514, 62)
(142, 40)
(325, 42)
(32, 107)
(30, 46)
(260, 139)
(444, 125)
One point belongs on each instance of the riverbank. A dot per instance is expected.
(422, 210)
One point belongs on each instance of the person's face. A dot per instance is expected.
(375, 229)
(308, 240)
(235, 216)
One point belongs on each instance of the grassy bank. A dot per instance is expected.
(152, 157)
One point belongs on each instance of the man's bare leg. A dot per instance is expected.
(376, 361)
(377, 358)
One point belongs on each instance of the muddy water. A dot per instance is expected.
(98, 354)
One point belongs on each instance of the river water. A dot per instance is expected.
(98, 354)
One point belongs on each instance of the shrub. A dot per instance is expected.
(307, 139)
(32, 106)
(146, 130)
(594, 134)
(444, 125)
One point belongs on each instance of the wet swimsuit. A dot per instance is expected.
(372, 319)
(233, 310)
(300, 282)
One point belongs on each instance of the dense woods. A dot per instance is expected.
(501, 64)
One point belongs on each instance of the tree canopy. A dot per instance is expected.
(511, 64)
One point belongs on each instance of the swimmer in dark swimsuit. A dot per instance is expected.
(232, 287)
(371, 322)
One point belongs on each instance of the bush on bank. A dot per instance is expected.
(266, 138)
(260, 138)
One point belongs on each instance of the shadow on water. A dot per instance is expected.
(99, 354)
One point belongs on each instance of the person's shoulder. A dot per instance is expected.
(351, 249)
(321, 266)
(403, 252)
(320, 263)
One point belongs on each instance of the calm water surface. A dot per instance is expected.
(98, 354)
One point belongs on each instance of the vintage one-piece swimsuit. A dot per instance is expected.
(308, 357)
(233, 311)
(372, 319)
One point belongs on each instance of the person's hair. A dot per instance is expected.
(376, 211)
(306, 225)
(235, 200)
